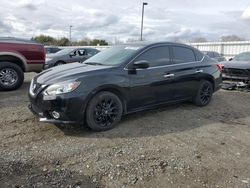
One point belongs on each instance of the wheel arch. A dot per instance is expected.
(60, 61)
(15, 58)
(109, 88)
(210, 79)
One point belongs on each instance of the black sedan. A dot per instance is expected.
(69, 55)
(122, 80)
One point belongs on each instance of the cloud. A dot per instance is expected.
(164, 20)
(183, 34)
(246, 14)
(4, 27)
(29, 6)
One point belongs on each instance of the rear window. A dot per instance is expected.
(199, 55)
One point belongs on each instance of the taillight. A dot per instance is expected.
(44, 53)
(220, 67)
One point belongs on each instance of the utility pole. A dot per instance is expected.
(142, 17)
(70, 28)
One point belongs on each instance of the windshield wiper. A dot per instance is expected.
(93, 63)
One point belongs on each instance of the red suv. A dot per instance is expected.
(16, 57)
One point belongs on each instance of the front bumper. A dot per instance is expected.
(47, 120)
(70, 107)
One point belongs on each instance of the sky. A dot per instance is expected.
(113, 20)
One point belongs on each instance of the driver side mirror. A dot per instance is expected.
(141, 64)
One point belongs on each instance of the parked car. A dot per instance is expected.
(52, 49)
(16, 57)
(121, 80)
(69, 55)
(215, 55)
(238, 68)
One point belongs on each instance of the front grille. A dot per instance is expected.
(242, 73)
(36, 88)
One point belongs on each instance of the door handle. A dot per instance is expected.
(168, 75)
(199, 71)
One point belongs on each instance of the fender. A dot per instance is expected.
(112, 88)
(17, 55)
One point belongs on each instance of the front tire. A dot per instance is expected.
(11, 76)
(204, 93)
(104, 111)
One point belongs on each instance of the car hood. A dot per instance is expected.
(237, 64)
(52, 56)
(67, 72)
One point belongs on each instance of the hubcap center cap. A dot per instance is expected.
(7, 77)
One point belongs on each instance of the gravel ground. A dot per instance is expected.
(176, 146)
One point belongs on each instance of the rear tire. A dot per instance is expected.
(11, 76)
(204, 93)
(104, 111)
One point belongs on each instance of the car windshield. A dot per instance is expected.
(65, 51)
(114, 55)
(243, 57)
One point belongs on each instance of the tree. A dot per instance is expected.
(229, 38)
(63, 42)
(96, 42)
(83, 42)
(43, 39)
(47, 40)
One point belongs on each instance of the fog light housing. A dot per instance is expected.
(55, 114)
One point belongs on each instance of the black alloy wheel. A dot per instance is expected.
(104, 111)
(204, 94)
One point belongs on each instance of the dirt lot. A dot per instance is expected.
(175, 146)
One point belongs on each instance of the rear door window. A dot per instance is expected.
(183, 55)
(199, 55)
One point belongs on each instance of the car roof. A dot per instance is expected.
(76, 48)
(149, 44)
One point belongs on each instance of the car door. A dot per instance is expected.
(151, 86)
(185, 69)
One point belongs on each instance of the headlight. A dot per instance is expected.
(61, 88)
(48, 59)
